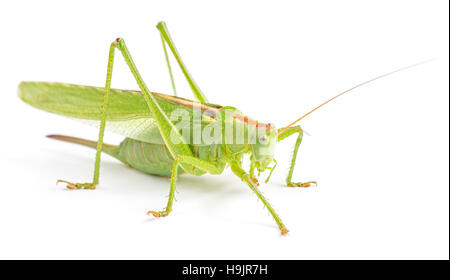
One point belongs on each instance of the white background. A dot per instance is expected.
(380, 153)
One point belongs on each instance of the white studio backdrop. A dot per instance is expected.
(380, 153)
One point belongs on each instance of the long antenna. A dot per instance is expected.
(352, 88)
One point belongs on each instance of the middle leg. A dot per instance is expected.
(173, 181)
(198, 163)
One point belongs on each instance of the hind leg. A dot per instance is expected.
(167, 39)
(105, 104)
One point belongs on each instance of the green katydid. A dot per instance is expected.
(155, 143)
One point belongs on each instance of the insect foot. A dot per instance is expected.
(78, 186)
(284, 231)
(158, 214)
(255, 181)
(302, 185)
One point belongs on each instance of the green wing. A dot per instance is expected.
(128, 114)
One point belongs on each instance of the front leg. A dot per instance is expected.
(252, 173)
(284, 134)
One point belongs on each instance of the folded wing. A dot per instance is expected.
(127, 115)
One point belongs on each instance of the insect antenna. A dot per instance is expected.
(352, 88)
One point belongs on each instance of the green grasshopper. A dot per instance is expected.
(156, 143)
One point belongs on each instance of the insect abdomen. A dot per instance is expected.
(147, 157)
(151, 158)
(156, 159)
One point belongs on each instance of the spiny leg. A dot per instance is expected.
(237, 169)
(284, 134)
(175, 142)
(173, 181)
(162, 27)
(172, 80)
(166, 127)
(198, 163)
(105, 104)
(181, 151)
(252, 173)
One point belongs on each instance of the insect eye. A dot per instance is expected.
(263, 139)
